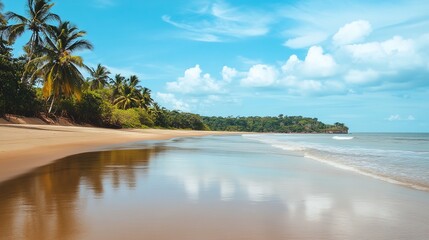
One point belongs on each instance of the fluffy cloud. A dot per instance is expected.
(361, 76)
(171, 101)
(352, 32)
(301, 86)
(260, 75)
(228, 74)
(193, 82)
(315, 65)
(396, 63)
(297, 76)
(396, 52)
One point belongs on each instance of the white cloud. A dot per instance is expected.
(194, 83)
(291, 64)
(397, 117)
(228, 74)
(219, 21)
(316, 64)
(301, 86)
(394, 53)
(306, 40)
(352, 32)
(305, 17)
(260, 75)
(171, 101)
(248, 61)
(352, 68)
(310, 76)
(361, 76)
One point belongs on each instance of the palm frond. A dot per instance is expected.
(11, 16)
(80, 45)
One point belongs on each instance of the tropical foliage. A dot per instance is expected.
(37, 21)
(99, 77)
(49, 78)
(56, 64)
(15, 96)
(283, 124)
(128, 94)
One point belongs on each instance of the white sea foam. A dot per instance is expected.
(342, 138)
(369, 174)
(379, 156)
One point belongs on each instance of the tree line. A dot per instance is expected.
(48, 80)
(280, 124)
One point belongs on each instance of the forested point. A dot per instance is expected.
(47, 82)
(280, 124)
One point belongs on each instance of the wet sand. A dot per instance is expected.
(220, 187)
(24, 146)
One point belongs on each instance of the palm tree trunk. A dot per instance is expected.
(52, 104)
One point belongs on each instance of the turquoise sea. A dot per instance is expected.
(401, 158)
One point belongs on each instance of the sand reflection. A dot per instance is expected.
(46, 203)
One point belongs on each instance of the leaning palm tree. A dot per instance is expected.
(57, 66)
(37, 21)
(99, 77)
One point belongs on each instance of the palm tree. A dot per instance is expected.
(116, 84)
(2, 28)
(37, 22)
(159, 115)
(146, 100)
(57, 66)
(129, 94)
(99, 77)
(134, 81)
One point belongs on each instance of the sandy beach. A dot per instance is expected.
(26, 146)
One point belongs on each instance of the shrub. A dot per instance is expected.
(90, 109)
(144, 117)
(126, 118)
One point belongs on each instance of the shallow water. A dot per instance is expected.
(401, 158)
(225, 187)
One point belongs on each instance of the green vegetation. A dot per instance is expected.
(48, 79)
(282, 124)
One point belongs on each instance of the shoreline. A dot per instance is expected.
(24, 147)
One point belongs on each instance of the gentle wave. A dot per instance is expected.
(394, 164)
(342, 138)
(370, 174)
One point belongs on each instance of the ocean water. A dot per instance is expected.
(400, 158)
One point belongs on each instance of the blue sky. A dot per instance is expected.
(364, 63)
